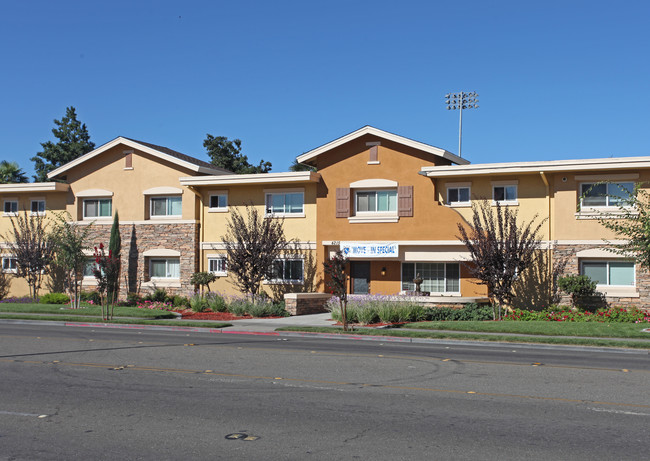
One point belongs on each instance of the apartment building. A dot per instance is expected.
(391, 204)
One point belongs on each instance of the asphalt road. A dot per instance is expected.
(79, 393)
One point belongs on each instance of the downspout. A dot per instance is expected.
(550, 228)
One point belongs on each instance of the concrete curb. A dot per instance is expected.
(346, 337)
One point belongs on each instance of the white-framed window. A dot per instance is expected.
(9, 264)
(98, 208)
(285, 203)
(505, 194)
(436, 277)
(376, 201)
(10, 207)
(218, 265)
(613, 272)
(218, 202)
(458, 195)
(595, 195)
(166, 206)
(287, 270)
(37, 207)
(164, 268)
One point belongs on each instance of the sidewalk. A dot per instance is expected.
(268, 325)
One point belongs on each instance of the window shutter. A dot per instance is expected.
(405, 201)
(342, 202)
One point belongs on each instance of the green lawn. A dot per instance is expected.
(95, 311)
(594, 329)
(131, 321)
(411, 333)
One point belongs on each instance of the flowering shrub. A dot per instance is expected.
(559, 314)
(165, 306)
(21, 300)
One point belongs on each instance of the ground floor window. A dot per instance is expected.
(165, 268)
(612, 272)
(89, 267)
(437, 277)
(287, 271)
(217, 265)
(9, 264)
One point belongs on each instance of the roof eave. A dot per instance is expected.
(34, 187)
(248, 179)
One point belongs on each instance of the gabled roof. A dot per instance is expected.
(160, 152)
(548, 166)
(312, 154)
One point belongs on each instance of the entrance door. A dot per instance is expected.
(360, 275)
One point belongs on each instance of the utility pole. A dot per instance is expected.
(461, 101)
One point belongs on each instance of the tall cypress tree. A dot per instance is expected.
(74, 141)
(114, 250)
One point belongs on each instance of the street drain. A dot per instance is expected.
(241, 436)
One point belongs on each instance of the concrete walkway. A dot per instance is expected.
(267, 325)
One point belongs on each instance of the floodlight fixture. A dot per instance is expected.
(460, 101)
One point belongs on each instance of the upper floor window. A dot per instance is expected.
(38, 206)
(605, 194)
(218, 201)
(217, 265)
(9, 264)
(505, 194)
(287, 271)
(284, 203)
(98, 208)
(166, 268)
(10, 207)
(166, 206)
(610, 272)
(458, 195)
(376, 201)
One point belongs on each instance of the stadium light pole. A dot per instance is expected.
(460, 101)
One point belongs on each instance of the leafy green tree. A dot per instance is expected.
(32, 247)
(11, 173)
(295, 166)
(70, 241)
(202, 279)
(227, 154)
(631, 220)
(73, 142)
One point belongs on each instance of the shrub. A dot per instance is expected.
(165, 306)
(578, 286)
(238, 307)
(54, 298)
(198, 303)
(91, 297)
(132, 299)
(216, 302)
(180, 301)
(21, 300)
(266, 309)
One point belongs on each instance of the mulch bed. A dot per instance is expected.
(189, 314)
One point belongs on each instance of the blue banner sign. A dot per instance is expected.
(369, 250)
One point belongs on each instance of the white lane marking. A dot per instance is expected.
(620, 412)
(18, 413)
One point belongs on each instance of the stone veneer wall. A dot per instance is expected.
(138, 238)
(306, 303)
(573, 268)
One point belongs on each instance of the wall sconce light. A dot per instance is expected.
(383, 271)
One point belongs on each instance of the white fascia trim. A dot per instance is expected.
(134, 145)
(367, 183)
(382, 134)
(162, 252)
(34, 187)
(94, 193)
(600, 253)
(621, 163)
(220, 246)
(151, 222)
(163, 190)
(258, 178)
(589, 242)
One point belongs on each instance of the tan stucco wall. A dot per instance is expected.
(107, 171)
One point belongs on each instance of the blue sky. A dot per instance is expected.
(556, 79)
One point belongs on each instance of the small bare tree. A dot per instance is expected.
(70, 241)
(32, 247)
(338, 282)
(252, 242)
(500, 247)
